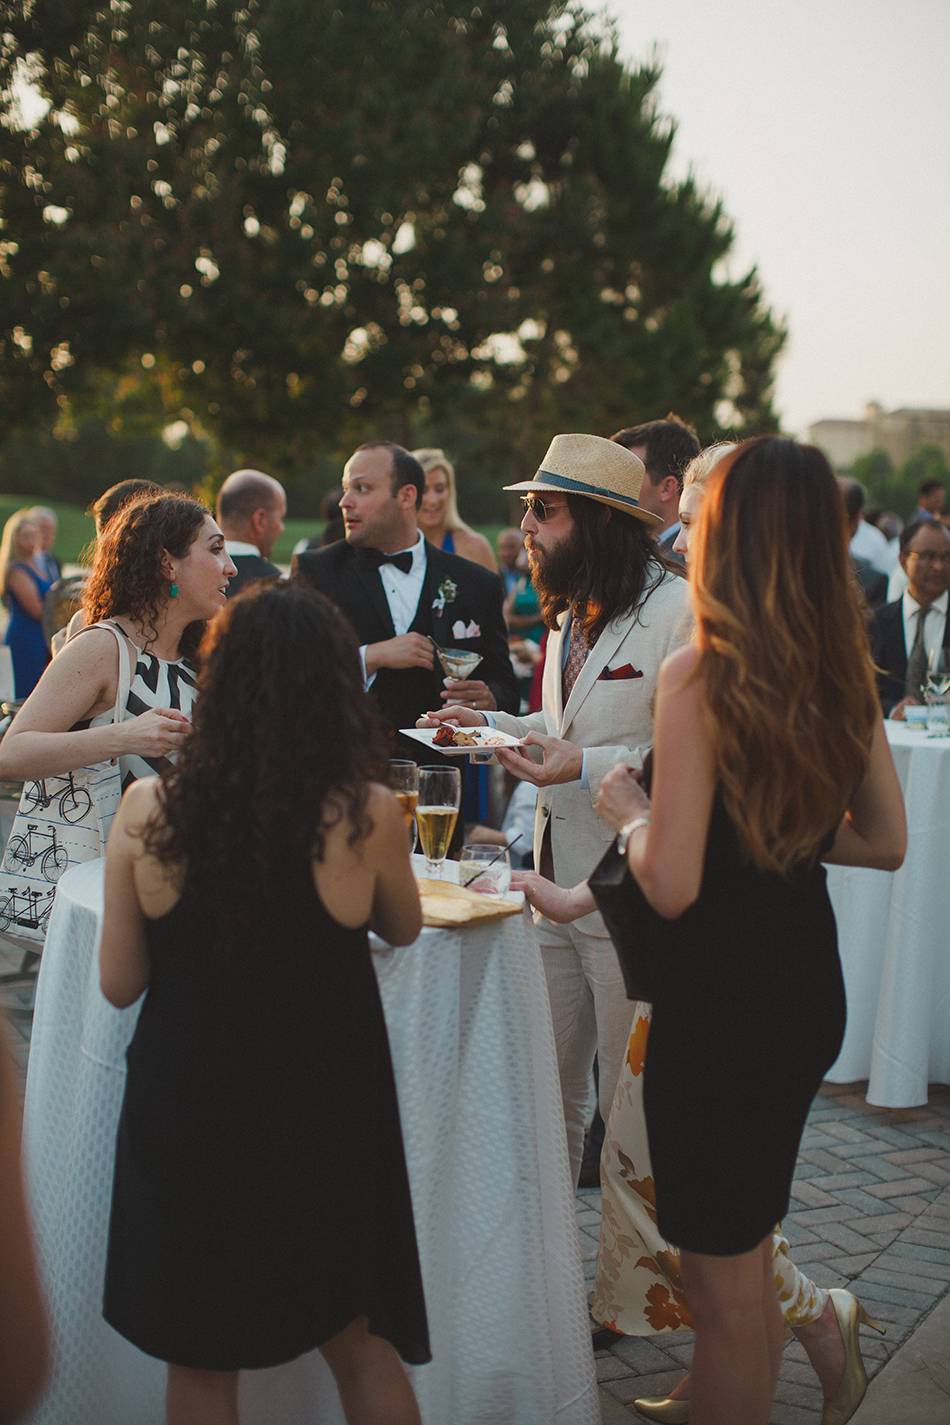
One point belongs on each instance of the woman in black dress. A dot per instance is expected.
(769, 758)
(239, 891)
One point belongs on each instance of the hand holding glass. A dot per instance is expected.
(440, 791)
(485, 868)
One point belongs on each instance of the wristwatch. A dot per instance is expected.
(625, 832)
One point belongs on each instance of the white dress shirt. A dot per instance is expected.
(869, 543)
(403, 592)
(237, 548)
(934, 621)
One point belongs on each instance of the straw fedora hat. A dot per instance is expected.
(592, 466)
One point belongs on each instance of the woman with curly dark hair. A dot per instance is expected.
(239, 892)
(160, 571)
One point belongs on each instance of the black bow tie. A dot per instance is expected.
(375, 558)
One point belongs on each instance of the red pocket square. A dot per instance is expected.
(613, 674)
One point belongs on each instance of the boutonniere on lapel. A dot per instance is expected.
(446, 595)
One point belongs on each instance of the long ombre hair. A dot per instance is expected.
(790, 697)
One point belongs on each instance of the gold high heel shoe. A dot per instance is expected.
(661, 1407)
(851, 1314)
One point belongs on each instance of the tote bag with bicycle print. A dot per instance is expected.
(60, 822)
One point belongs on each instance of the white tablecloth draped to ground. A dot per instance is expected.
(473, 1054)
(894, 938)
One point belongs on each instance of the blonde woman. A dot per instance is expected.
(439, 518)
(640, 1283)
(24, 590)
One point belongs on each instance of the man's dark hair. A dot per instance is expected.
(670, 446)
(915, 526)
(406, 468)
(852, 492)
(116, 496)
(930, 487)
(616, 564)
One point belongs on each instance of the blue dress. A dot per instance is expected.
(24, 637)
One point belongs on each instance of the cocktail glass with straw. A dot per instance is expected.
(440, 792)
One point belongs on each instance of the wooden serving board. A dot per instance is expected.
(445, 904)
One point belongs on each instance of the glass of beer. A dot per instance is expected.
(440, 791)
(404, 780)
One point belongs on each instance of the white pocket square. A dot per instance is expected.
(459, 630)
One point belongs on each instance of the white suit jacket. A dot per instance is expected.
(611, 719)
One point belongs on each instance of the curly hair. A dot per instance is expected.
(790, 699)
(284, 745)
(127, 577)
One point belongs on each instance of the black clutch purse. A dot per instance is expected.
(628, 915)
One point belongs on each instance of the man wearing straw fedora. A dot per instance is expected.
(615, 609)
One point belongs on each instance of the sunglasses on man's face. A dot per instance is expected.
(541, 509)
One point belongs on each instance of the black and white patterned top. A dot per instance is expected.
(156, 683)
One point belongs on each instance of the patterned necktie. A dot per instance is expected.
(576, 658)
(917, 662)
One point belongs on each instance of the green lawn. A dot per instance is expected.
(76, 530)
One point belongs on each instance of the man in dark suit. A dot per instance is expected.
(904, 634)
(873, 582)
(251, 509)
(396, 588)
(665, 448)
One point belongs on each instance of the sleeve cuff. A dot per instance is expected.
(367, 681)
(585, 779)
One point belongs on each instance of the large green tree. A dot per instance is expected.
(294, 223)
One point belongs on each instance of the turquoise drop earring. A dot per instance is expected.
(173, 591)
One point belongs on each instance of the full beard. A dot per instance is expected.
(553, 571)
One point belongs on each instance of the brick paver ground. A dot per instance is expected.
(870, 1212)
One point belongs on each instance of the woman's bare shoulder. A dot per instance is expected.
(474, 546)
(679, 665)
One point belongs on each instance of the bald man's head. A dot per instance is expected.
(251, 509)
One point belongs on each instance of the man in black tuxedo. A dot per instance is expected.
(396, 588)
(251, 508)
(905, 633)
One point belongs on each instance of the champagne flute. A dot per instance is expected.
(404, 780)
(440, 792)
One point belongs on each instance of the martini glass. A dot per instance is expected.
(457, 664)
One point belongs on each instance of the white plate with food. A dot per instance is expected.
(479, 742)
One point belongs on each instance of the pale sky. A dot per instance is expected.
(825, 127)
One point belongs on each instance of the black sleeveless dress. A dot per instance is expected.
(749, 1015)
(260, 1200)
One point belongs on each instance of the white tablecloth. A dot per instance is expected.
(894, 937)
(473, 1054)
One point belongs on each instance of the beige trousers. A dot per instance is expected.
(591, 1015)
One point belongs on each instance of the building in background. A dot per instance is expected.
(899, 433)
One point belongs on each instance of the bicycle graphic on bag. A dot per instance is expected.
(27, 913)
(53, 859)
(74, 802)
